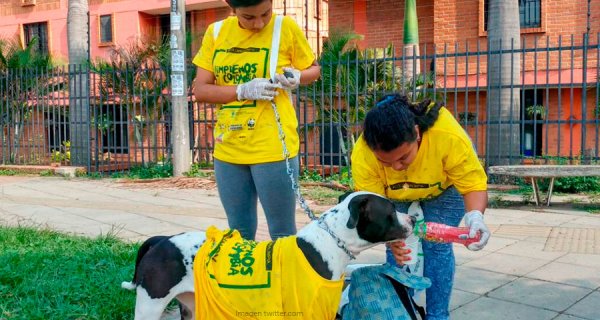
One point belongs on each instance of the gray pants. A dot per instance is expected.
(241, 185)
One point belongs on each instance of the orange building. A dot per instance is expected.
(558, 70)
(117, 22)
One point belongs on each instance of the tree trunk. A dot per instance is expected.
(79, 109)
(504, 69)
(411, 64)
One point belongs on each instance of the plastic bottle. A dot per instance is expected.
(437, 232)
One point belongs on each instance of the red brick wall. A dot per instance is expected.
(557, 140)
(384, 20)
(455, 25)
(341, 14)
(563, 24)
(462, 20)
(455, 21)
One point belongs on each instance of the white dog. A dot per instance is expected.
(164, 264)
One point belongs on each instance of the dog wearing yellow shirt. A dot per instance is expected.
(218, 275)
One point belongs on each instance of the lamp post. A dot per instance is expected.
(180, 133)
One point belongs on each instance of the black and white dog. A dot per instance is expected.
(360, 221)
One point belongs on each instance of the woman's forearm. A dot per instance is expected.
(205, 89)
(476, 200)
(212, 93)
(310, 74)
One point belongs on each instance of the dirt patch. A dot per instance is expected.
(170, 183)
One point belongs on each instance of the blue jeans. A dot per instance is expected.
(448, 208)
(240, 186)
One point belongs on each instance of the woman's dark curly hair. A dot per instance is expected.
(392, 121)
(243, 3)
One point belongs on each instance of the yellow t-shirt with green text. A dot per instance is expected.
(246, 131)
(445, 158)
(244, 279)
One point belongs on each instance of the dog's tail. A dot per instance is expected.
(128, 285)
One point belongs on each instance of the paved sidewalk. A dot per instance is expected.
(542, 264)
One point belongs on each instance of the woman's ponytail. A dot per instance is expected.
(426, 113)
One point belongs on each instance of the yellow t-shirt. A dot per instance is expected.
(246, 131)
(242, 279)
(446, 157)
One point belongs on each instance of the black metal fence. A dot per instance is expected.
(537, 101)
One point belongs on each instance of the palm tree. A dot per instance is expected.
(79, 89)
(137, 75)
(410, 39)
(350, 83)
(23, 77)
(504, 69)
(416, 85)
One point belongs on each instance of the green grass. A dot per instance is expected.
(47, 173)
(321, 195)
(48, 275)
(5, 172)
(198, 170)
(150, 171)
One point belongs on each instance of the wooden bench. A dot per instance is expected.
(535, 172)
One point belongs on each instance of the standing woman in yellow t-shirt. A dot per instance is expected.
(419, 152)
(233, 72)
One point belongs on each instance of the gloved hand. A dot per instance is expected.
(289, 83)
(257, 89)
(474, 221)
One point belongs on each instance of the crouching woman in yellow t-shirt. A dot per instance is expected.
(234, 70)
(419, 152)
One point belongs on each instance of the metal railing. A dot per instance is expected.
(547, 112)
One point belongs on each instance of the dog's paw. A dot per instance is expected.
(128, 285)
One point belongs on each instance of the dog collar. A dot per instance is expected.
(340, 243)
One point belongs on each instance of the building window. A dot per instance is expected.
(530, 13)
(532, 110)
(106, 29)
(37, 32)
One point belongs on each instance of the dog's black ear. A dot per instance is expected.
(344, 196)
(356, 206)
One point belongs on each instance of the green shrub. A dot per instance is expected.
(151, 171)
(198, 170)
(4, 172)
(311, 176)
(573, 184)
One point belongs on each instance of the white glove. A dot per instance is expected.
(257, 89)
(474, 221)
(290, 83)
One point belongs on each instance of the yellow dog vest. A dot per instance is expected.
(242, 279)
